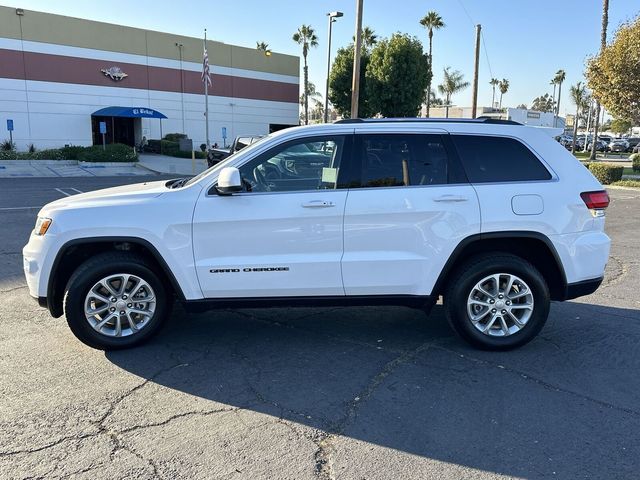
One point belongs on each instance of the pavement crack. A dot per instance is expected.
(542, 383)
(201, 413)
(13, 289)
(325, 442)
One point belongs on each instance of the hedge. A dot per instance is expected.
(635, 159)
(171, 148)
(116, 152)
(606, 173)
(627, 183)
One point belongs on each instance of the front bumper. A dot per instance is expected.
(580, 289)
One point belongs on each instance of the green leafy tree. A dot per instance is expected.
(306, 36)
(620, 125)
(396, 82)
(523, 106)
(577, 93)
(504, 88)
(614, 75)
(340, 83)
(452, 83)
(543, 103)
(431, 21)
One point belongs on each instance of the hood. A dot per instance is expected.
(115, 195)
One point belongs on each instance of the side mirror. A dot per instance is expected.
(229, 181)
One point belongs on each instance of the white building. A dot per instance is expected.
(61, 77)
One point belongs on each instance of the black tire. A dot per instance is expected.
(463, 280)
(101, 266)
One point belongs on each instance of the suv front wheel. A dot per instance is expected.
(497, 302)
(115, 300)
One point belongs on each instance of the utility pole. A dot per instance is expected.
(355, 83)
(474, 100)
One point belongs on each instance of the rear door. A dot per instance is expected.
(408, 207)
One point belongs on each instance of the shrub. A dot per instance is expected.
(606, 173)
(635, 159)
(8, 146)
(115, 152)
(174, 137)
(203, 147)
(627, 183)
(32, 148)
(50, 154)
(71, 152)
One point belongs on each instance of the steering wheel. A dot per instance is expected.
(261, 180)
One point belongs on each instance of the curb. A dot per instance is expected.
(149, 169)
(620, 187)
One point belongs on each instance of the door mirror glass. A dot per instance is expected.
(229, 181)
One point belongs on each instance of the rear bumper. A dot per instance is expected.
(585, 287)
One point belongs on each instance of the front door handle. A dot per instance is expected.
(318, 204)
(451, 198)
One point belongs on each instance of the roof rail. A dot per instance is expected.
(489, 120)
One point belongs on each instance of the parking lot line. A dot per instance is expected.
(19, 208)
(75, 189)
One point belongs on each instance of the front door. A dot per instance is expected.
(408, 208)
(283, 235)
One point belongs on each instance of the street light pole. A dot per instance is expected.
(180, 47)
(355, 82)
(332, 18)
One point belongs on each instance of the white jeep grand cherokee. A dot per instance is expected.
(496, 217)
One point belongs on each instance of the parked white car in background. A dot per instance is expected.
(496, 217)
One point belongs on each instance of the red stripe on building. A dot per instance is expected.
(85, 71)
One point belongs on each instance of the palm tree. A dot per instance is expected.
(560, 77)
(451, 83)
(504, 87)
(494, 83)
(368, 37)
(603, 44)
(554, 83)
(431, 21)
(263, 47)
(577, 93)
(306, 37)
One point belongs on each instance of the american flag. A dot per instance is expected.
(205, 68)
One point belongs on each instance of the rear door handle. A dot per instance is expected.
(318, 204)
(451, 198)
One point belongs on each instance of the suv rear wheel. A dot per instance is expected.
(115, 300)
(497, 302)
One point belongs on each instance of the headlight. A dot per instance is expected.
(42, 225)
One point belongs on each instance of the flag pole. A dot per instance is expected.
(206, 96)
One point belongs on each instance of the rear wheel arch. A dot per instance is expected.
(533, 247)
(75, 252)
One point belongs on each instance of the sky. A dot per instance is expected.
(525, 42)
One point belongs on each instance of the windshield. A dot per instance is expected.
(226, 161)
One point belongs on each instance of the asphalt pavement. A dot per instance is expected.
(350, 393)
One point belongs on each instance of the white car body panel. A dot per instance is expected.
(370, 241)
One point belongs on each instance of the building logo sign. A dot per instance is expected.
(533, 114)
(114, 73)
(143, 111)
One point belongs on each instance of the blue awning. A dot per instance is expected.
(130, 112)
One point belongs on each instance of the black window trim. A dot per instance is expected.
(455, 171)
(552, 172)
(346, 156)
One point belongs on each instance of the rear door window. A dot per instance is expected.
(498, 159)
(396, 160)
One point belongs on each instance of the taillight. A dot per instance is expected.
(596, 201)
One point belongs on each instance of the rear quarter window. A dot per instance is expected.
(498, 159)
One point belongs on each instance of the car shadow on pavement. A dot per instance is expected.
(566, 405)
